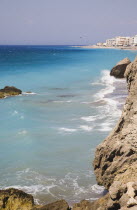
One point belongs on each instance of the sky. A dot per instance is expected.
(65, 22)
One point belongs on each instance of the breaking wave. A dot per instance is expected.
(47, 189)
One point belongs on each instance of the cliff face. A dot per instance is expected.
(115, 162)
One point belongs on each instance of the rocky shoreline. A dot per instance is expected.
(115, 163)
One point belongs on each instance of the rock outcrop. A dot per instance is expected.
(58, 205)
(115, 162)
(99, 204)
(9, 91)
(119, 70)
(13, 199)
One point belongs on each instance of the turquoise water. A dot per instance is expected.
(48, 137)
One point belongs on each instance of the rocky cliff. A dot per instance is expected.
(115, 162)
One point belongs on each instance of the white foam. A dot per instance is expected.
(69, 130)
(69, 101)
(98, 189)
(107, 81)
(92, 118)
(23, 132)
(85, 102)
(106, 126)
(86, 128)
(89, 118)
(109, 111)
(69, 187)
(15, 112)
(33, 189)
(29, 93)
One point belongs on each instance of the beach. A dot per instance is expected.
(105, 47)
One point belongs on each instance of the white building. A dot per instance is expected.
(122, 41)
(131, 41)
(135, 40)
(99, 44)
(111, 42)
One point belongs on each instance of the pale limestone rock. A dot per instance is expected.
(115, 162)
(132, 202)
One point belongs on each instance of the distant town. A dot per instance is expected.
(119, 41)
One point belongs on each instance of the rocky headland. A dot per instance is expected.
(119, 69)
(9, 91)
(115, 164)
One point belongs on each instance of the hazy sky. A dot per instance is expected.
(65, 21)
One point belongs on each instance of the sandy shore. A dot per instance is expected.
(98, 47)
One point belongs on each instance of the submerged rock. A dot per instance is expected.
(115, 162)
(9, 91)
(13, 199)
(119, 70)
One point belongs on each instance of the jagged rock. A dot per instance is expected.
(115, 162)
(132, 202)
(119, 70)
(123, 200)
(116, 190)
(99, 204)
(58, 205)
(13, 199)
(9, 91)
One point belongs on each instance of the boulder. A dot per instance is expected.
(58, 205)
(9, 91)
(99, 204)
(13, 199)
(120, 68)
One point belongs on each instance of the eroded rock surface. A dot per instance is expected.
(58, 205)
(99, 204)
(13, 199)
(9, 91)
(119, 70)
(115, 162)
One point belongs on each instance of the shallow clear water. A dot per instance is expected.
(48, 138)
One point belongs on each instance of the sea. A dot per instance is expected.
(49, 133)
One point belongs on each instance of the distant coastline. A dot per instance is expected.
(101, 47)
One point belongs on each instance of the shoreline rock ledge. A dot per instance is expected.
(119, 69)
